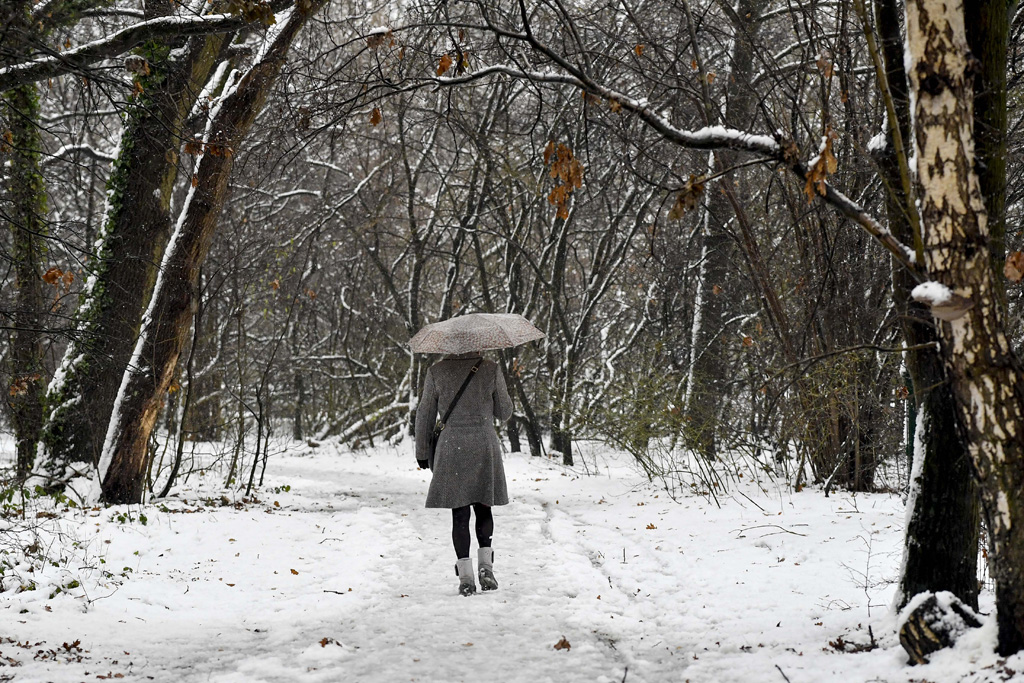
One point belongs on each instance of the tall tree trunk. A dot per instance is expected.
(719, 281)
(941, 539)
(26, 193)
(986, 375)
(299, 383)
(135, 231)
(988, 28)
(560, 402)
(166, 324)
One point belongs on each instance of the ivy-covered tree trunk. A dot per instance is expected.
(986, 376)
(132, 239)
(25, 193)
(941, 540)
(166, 324)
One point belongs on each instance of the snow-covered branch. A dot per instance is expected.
(115, 44)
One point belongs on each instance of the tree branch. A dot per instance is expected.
(82, 57)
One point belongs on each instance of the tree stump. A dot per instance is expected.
(931, 623)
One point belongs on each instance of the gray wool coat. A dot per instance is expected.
(467, 462)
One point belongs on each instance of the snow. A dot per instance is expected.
(336, 572)
(151, 25)
(924, 418)
(932, 293)
(878, 142)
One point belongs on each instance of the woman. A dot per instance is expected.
(467, 468)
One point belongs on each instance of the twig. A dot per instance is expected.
(783, 673)
(774, 526)
(751, 500)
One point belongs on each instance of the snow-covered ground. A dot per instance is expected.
(338, 573)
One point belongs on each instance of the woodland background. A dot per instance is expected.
(405, 163)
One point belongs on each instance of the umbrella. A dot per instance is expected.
(475, 332)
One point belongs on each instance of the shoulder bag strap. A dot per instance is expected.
(451, 407)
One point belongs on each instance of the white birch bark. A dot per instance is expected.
(985, 373)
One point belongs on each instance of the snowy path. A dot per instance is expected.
(345, 577)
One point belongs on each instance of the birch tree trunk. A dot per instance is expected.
(986, 375)
(941, 539)
(166, 324)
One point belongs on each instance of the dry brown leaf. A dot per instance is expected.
(376, 40)
(688, 198)
(375, 116)
(825, 165)
(53, 275)
(563, 644)
(567, 171)
(825, 66)
(1014, 268)
(445, 64)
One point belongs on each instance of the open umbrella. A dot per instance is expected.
(475, 332)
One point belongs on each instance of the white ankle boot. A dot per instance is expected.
(464, 570)
(485, 557)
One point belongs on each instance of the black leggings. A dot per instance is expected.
(460, 527)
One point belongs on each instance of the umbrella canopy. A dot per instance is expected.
(475, 332)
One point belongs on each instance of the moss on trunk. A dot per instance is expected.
(26, 193)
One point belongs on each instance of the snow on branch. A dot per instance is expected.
(709, 137)
(945, 304)
(68, 151)
(115, 44)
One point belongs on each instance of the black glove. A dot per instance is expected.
(423, 464)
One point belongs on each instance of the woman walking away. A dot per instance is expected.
(466, 463)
